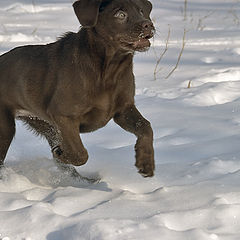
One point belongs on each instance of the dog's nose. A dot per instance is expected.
(147, 25)
(147, 29)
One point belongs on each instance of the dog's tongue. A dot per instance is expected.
(142, 43)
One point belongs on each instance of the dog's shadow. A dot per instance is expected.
(46, 173)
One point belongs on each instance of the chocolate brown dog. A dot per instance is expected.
(80, 82)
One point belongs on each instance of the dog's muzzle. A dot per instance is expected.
(140, 43)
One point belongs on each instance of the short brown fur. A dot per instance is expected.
(80, 82)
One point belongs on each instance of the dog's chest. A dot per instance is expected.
(98, 113)
(115, 90)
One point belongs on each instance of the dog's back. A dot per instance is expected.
(29, 74)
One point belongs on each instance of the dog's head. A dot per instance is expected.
(127, 23)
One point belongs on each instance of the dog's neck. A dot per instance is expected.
(104, 45)
(106, 56)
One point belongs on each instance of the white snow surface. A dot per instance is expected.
(195, 193)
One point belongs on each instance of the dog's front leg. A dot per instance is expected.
(70, 149)
(131, 120)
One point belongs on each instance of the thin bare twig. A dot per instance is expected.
(180, 55)
(200, 26)
(236, 19)
(163, 53)
(185, 10)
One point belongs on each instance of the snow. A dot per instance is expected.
(195, 193)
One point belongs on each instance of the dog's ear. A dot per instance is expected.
(147, 5)
(87, 12)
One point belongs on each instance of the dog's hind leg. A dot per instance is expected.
(43, 128)
(7, 131)
(53, 136)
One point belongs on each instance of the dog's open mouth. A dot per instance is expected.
(141, 44)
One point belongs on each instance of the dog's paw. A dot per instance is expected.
(145, 168)
(145, 159)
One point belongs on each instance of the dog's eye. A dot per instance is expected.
(121, 15)
(141, 12)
